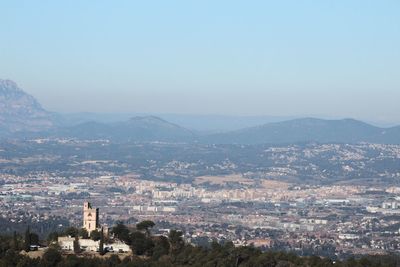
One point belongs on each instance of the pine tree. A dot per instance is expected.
(101, 245)
(77, 247)
(15, 241)
(27, 243)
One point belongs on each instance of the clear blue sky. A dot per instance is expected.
(329, 58)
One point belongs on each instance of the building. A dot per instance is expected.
(67, 244)
(390, 205)
(89, 245)
(90, 217)
(91, 223)
(118, 247)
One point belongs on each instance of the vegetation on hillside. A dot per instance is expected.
(161, 251)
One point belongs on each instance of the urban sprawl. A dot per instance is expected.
(327, 219)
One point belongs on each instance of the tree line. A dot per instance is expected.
(165, 251)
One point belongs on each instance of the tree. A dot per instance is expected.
(95, 235)
(114, 260)
(27, 262)
(27, 241)
(51, 258)
(71, 231)
(121, 232)
(175, 237)
(34, 239)
(101, 245)
(83, 233)
(140, 244)
(53, 236)
(145, 226)
(10, 257)
(15, 245)
(77, 247)
(161, 247)
(55, 246)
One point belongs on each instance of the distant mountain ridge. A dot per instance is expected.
(137, 129)
(310, 130)
(22, 116)
(150, 128)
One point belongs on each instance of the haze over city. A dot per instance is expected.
(334, 59)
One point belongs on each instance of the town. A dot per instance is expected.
(328, 219)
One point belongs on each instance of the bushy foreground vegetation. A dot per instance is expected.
(160, 251)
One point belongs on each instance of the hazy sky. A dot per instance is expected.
(329, 58)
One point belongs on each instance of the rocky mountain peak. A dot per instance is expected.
(20, 111)
(8, 85)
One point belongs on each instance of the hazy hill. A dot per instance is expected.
(309, 130)
(137, 129)
(389, 135)
(20, 111)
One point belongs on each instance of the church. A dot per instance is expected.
(90, 218)
(91, 223)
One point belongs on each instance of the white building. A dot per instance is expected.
(117, 247)
(67, 243)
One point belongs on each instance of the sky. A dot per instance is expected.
(335, 58)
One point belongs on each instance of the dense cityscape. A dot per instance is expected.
(266, 208)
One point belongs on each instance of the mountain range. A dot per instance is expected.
(22, 116)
